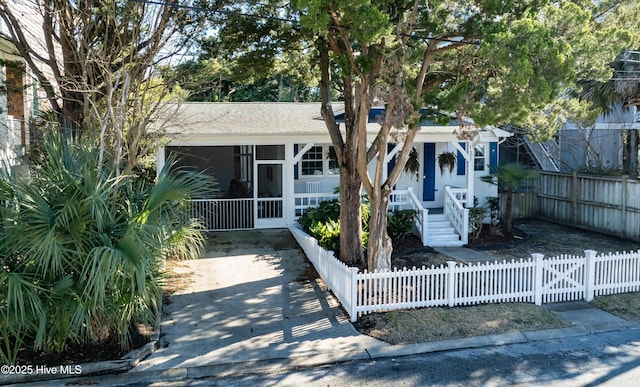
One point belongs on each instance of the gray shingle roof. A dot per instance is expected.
(248, 118)
(264, 118)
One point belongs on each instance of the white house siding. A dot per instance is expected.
(481, 190)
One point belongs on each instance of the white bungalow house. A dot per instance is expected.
(272, 161)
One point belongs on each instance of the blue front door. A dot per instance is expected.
(429, 178)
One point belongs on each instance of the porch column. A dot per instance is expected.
(468, 155)
(160, 160)
(470, 173)
(288, 189)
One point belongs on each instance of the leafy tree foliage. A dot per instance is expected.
(492, 61)
(497, 62)
(291, 79)
(596, 32)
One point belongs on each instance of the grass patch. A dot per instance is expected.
(432, 324)
(626, 305)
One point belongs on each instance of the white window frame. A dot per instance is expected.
(477, 157)
(325, 164)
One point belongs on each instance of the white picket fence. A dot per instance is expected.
(534, 280)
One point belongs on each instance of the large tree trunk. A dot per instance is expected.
(350, 189)
(379, 248)
(346, 150)
(350, 214)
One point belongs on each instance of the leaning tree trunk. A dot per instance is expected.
(379, 248)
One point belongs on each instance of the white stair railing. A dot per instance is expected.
(422, 214)
(456, 213)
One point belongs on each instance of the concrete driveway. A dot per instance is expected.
(250, 300)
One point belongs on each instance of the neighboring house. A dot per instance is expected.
(601, 147)
(272, 161)
(14, 106)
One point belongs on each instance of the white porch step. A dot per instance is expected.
(441, 233)
(449, 240)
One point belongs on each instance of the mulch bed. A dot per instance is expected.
(74, 354)
(409, 252)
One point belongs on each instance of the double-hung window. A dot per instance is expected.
(479, 159)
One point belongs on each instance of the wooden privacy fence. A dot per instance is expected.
(534, 280)
(599, 203)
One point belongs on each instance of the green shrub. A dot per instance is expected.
(326, 211)
(400, 223)
(328, 235)
(323, 223)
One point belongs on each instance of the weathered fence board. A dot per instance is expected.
(600, 203)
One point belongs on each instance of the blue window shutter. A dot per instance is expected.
(295, 167)
(493, 154)
(461, 160)
(392, 162)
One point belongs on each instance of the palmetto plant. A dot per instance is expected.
(79, 248)
(509, 176)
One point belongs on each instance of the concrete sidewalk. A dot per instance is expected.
(251, 309)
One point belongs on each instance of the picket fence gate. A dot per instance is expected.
(534, 280)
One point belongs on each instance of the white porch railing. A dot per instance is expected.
(455, 211)
(223, 214)
(421, 221)
(269, 208)
(305, 201)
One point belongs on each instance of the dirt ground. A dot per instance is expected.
(552, 240)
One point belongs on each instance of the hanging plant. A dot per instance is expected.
(446, 160)
(413, 163)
